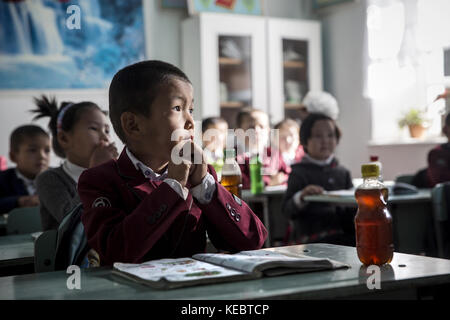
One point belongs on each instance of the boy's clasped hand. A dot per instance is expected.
(187, 164)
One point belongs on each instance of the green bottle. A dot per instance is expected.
(256, 181)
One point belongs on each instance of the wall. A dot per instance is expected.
(343, 54)
(342, 42)
(163, 34)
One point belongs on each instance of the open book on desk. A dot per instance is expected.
(215, 267)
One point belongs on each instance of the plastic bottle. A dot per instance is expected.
(373, 222)
(375, 160)
(231, 173)
(217, 165)
(256, 181)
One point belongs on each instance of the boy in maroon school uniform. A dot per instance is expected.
(145, 205)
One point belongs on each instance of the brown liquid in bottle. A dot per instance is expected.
(373, 224)
(233, 184)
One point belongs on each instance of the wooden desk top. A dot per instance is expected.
(405, 272)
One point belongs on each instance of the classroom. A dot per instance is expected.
(225, 150)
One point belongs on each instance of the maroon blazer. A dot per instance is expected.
(129, 218)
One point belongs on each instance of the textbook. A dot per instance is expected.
(205, 268)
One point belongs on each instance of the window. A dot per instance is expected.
(405, 49)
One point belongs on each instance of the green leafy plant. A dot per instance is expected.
(413, 117)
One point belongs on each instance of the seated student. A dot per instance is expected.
(30, 149)
(149, 204)
(80, 134)
(319, 170)
(319, 102)
(256, 128)
(438, 170)
(288, 150)
(214, 130)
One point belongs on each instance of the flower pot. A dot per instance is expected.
(416, 130)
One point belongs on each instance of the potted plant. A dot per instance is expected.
(415, 119)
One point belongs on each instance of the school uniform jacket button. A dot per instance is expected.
(237, 217)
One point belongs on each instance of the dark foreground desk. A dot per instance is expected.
(16, 254)
(412, 218)
(407, 277)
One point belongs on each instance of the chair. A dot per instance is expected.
(44, 251)
(24, 220)
(405, 178)
(440, 195)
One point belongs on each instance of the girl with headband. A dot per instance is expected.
(80, 135)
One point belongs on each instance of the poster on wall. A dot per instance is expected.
(68, 44)
(251, 7)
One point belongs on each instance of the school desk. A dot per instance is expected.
(3, 224)
(412, 217)
(407, 277)
(16, 254)
(271, 200)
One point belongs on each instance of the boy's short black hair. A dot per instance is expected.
(244, 113)
(135, 87)
(211, 121)
(21, 133)
(308, 123)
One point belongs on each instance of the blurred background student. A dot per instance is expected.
(256, 128)
(80, 135)
(287, 149)
(318, 170)
(214, 130)
(438, 170)
(30, 151)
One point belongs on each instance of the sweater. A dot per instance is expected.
(318, 222)
(58, 194)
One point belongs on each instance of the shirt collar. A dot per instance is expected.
(73, 170)
(29, 184)
(307, 158)
(146, 171)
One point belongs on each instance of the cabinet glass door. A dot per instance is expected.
(295, 65)
(235, 76)
(295, 75)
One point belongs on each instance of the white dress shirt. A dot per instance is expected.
(29, 184)
(202, 192)
(74, 171)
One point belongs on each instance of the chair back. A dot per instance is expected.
(405, 178)
(24, 220)
(440, 196)
(44, 251)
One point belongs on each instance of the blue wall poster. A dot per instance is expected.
(68, 44)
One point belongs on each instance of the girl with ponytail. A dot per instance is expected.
(80, 135)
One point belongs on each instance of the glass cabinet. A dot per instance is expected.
(224, 55)
(236, 61)
(295, 64)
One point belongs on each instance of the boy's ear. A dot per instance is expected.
(130, 124)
